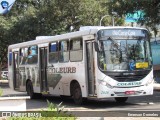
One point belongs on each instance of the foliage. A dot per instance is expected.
(54, 112)
(30, 18)
(150, 7)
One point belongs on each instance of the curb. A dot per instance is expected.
(3, 81)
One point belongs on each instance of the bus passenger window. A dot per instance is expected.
(76, 50)
(64, 51)
(10, 58)
(32, 55)
(53, 52)
(23, 56)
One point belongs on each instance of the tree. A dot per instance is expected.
(149, 7)
(31, 18)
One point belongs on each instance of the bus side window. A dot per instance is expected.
(53, 52)
(76, 50)
(32, 55)
(10, 58)
(23, 56)
(64, 51)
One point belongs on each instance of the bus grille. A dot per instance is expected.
(129, 78)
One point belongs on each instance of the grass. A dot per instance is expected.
(1, 92)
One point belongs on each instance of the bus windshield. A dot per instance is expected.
(124, 50)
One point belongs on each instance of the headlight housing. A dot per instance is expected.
(105, 84)
(150, 81)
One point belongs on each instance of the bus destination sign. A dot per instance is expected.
(122, 32)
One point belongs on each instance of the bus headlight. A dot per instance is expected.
(105, 84)
(149, 82)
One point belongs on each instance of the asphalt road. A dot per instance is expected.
(142, 103)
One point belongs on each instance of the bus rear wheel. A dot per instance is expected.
(121, 99)
(29, 89)
(77, 94)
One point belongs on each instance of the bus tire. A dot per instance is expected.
(29, 89)
(77, 94)
(121, 99)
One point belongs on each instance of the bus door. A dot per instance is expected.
(90, 67)
(43, 69)
(16, 82)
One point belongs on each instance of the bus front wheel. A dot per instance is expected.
(121, 99)
(77, 94)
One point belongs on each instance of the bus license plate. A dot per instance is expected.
(130, 92)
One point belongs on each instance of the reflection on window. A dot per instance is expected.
(23, 55)
(64, 51)
(123, 54)
(32, 55)
(136, 50)
(53, 52)
(76, 50)
(16, 60)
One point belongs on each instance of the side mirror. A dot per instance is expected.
(96, 46)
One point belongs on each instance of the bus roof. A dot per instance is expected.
(86, 30)
(108, 27)
(53, 38)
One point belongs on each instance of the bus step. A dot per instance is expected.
(45, 93)
(92, 95)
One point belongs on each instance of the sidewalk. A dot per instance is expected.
(156, 86)
(7, 91)
(118, 118)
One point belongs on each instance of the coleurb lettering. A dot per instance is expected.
(52, 70)
(129, 84)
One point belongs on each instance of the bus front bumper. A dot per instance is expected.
(105, 92)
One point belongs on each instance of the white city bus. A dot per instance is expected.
(98, 62)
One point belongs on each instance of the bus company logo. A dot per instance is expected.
(129, 84)
(4, 4)
(53, 70)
